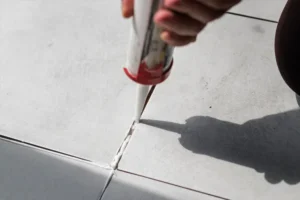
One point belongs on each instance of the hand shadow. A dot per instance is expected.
(270, 145)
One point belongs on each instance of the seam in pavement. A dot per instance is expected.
(48, 150)
(251, 17)
(175, 185)
(117, 158)
(59, 153)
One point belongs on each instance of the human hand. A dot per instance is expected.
(183, 20)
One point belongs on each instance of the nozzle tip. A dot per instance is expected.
(137, 119)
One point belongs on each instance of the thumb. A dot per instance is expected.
(127, 8)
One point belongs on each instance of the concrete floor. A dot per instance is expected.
(225, 122)
(31, 174)
(224, 126)
(61, 77)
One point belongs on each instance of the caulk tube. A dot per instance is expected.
(149, 59)
(142, 10)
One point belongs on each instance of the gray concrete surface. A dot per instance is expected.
(31, 174)
(265, 9)
(225, 122)
(61, 79)
(130, 187)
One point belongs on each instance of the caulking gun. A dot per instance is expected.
(149, 59)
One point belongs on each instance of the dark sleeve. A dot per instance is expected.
(287, 45)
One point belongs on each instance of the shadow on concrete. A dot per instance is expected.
(29, 173)
(298, 99)
(270, 145)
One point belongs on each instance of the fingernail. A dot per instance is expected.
(164, 35)
(125, 12)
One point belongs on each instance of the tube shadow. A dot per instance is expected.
(298, 99)
(270, 145)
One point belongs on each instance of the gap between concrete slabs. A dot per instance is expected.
(39, 153)
(251, 17)
(122, 149)
(117, 158)
(171, 184)
(267, 9)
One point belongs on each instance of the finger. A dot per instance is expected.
(178, 23)
(176, 40)
(219, 4)
(194, 9)
(127, 8)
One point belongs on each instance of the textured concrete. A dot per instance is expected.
(61, 79)
(32, 174)
(225, 122)
(130, 187)
(265, 9)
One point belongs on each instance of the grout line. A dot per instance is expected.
(114, 164)
(117, 158)
(172, 184)
(47, 150)
(106, 184)
(251, 17)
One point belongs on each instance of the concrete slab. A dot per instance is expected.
(266, 9)
(225, 123)
(61, 81)
(130, 187)
(31, 174)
